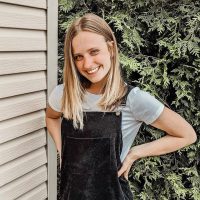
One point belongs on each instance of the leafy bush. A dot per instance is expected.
(159, 52)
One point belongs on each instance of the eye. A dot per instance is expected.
(78, 58)
(94, 52)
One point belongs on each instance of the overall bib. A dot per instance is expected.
(91, 158)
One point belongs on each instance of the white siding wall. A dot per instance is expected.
(23, 96)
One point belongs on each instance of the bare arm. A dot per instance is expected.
(179, 134)
(53, 123)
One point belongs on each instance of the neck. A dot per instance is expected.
(95, 88)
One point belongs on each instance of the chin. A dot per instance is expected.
(96, 80)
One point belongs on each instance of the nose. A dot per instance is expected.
(88, 62)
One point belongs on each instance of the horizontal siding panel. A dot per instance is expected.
(35, 3)
(39, 193)
(22, 40)
(22, 83)
(19, 167)
(18, 62)
(23, 104)
(23, 184)
(22, 125)
(13, 16)
(20, 146)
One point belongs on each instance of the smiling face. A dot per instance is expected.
(92, 57)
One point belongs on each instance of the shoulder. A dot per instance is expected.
(144, 106)
(139, 96)
(55, 97)
(135, 94)
(58, 89)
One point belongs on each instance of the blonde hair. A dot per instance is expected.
(75, 84)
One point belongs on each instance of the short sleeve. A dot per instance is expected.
(55, 98)
(144, 106)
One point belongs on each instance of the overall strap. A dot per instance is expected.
(129, 88)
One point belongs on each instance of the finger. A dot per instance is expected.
(121, 171)
(126, 172)
(123, 168)
(127, 163)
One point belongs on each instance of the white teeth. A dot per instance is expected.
(92, 70)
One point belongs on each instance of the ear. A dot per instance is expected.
(111, 47)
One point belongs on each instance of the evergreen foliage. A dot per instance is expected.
(159, 52)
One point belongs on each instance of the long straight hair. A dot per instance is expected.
(75, 84)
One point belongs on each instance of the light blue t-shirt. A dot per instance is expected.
(140, 107)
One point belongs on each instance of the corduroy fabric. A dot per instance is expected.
(91, 159)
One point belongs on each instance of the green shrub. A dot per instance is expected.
(159, 52)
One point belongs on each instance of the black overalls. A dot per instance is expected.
(91, 158)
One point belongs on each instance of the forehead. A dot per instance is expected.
(86, 40)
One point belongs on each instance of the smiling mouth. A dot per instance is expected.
(94, 70)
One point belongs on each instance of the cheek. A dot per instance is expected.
(105, 59)
(78, 66)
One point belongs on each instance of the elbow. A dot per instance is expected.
(192, 138)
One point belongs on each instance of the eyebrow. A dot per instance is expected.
(76, 54)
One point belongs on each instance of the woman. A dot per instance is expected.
(101, 117)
